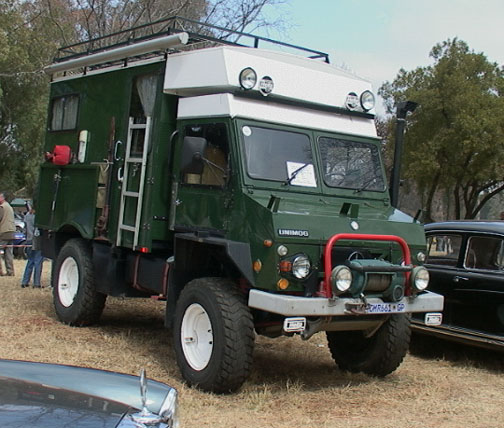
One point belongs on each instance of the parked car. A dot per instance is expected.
(20, 251)
(50, 395)
(465, 260)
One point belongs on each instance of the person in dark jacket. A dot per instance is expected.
(35, 259)
(7, 230)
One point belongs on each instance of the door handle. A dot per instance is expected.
(460, 278)
(116, 150)
(120, 174)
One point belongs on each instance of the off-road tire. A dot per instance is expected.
(231, 336)
(86, 305)
(378, 355)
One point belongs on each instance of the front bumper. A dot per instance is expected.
(320, 306)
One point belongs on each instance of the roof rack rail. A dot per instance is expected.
(200, 35)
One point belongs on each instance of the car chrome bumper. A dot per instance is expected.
(320, 306)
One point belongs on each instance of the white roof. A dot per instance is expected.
(217, 70)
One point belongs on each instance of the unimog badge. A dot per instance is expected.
(294, 232)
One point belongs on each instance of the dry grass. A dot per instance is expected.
(293, 383)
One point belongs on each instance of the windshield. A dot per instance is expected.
(273, 154)
(351, 164)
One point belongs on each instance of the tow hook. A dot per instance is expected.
(357, 308)
(364, 300)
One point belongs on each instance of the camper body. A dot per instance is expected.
(243, 186)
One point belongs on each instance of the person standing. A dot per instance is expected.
(35, 259)
(7, 230)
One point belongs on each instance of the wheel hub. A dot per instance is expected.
(68, 281)
(197, 336)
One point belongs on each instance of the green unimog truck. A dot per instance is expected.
(244, 186)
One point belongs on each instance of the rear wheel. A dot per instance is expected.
(213, 335)
(75, 298)
(377, 355)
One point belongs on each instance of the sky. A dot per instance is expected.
(376, 38)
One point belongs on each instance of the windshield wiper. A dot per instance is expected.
(296, 172)
(365, 185)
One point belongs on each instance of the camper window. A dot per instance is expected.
(64, 113)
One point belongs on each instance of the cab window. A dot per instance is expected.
(214, 160)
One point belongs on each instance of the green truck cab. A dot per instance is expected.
(243, 186)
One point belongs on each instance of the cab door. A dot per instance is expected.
(203, 197)
(444, 264)
(478, 294)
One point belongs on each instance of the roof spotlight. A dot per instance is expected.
(367, 100)
(248, 78)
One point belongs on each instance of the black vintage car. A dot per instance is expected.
(51, 396)
(465, 260)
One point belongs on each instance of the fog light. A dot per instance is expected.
(367, 100)
(341, 279)
(420, 278)
(248, 78)
(266, 85)
(352, 101)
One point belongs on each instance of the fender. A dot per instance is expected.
(184, 266)
(237, 252)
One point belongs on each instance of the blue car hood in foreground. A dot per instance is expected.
(53, 396)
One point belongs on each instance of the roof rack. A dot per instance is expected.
(200, 35)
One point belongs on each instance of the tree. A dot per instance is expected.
(455, 139)
(31, 31)
(24, 48)
(97, 18)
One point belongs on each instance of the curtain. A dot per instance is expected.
(146, 86)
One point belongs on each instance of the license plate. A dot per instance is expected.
(385, 308)
(294, 324)
(433, 318)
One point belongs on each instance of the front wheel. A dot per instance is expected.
(75, 298)
(377, 355)
(213, 335)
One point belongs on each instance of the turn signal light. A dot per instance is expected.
(282, 284)
(285, 266)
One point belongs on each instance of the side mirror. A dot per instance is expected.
(193, 149)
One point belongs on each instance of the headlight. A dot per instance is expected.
(341, 279)
(301, 267)
(421, 257)
(169, 409)
(248, 78)
(420, 278)
(367, 100)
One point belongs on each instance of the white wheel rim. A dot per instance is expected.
(196, 336)
(68, 281)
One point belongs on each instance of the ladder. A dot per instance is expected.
(132, 162)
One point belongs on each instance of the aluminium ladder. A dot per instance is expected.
(131, 161)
